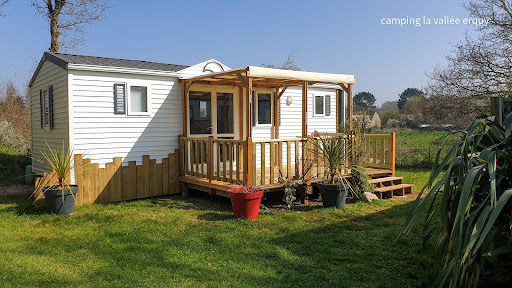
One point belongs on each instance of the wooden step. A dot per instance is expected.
(386, 181)
(389, 191)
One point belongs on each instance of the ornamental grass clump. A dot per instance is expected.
(60, 162)
(470, 225)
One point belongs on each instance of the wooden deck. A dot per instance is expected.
(220, 188)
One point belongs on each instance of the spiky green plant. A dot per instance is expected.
(333, 151)
(60, 162)
(474, 220)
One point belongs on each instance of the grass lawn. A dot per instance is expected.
(195, 242)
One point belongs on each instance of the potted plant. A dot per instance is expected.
(55, 186)
(246, 201)
(334, 187)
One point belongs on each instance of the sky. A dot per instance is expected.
(345, 37)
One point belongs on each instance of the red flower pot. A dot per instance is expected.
(245, 205)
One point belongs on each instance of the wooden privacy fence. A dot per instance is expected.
(118, 183)
(214, 159)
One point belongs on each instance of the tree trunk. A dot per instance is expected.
(54, 32)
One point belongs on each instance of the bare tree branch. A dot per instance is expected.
(2, 4)
(481, 65)
(289, 64)
(69, 18)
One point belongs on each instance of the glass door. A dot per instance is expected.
(200, 113)
(212, 113)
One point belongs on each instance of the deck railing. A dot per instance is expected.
(214, 159)
(273, 158)
(264, 161)
(381, 151)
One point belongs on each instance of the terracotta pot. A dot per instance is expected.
(245, 205)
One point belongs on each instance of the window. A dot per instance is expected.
(200, 106)
(263, 108)
(319, 105)
(139, 100)
(46, 109)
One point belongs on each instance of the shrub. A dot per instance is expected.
(473, 221)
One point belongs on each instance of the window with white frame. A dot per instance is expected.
(139, 100)
(319, 105)
(262, 103)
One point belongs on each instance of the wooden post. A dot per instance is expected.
(248, 161)
(350, 104)
(185, 87)
(241, 113)
(250, 106)
(304, 109)
(276, 122)
(392, 152)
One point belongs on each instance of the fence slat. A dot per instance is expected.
(79, 178)
(132, 186)
(118, 187)
(145, 168)
(152, 178)
(158, 184)
(140, 181)
(110, 182)
(165, 176)
(103, 185)
(173, 176)
(95, 183)
(272, 164)
(125, 190)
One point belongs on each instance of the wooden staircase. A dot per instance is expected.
(389, 186)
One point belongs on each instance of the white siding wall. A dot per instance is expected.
(50, 74)
(101, 135)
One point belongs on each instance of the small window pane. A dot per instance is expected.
(225, 113)
(138, 99)
(264, 108)
(319, 105)
(200, 106)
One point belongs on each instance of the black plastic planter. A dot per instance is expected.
(58, 204)
(333, 195)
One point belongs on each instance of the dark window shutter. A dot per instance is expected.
(327, 105)
(253, 110)
(41, 107)
(50, 107)
(119, 98)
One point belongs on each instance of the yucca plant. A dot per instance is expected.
(60, 162)
(471, 222)
(332, 150)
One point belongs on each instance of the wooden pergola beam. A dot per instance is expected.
(278, 95)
